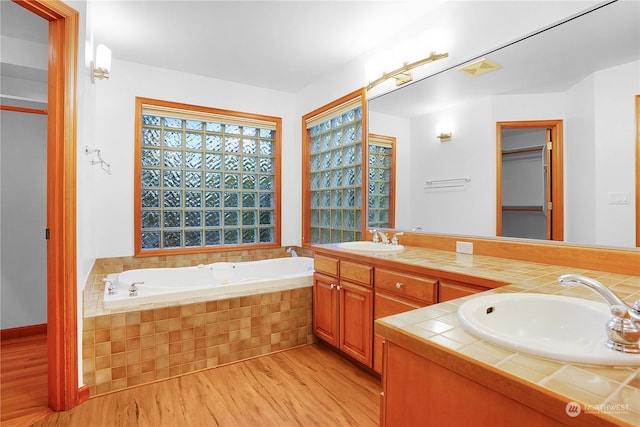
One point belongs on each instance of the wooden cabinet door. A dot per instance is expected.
(356, 321)
(325, 308)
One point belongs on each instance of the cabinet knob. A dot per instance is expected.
(331, 286)
(339, 287)
(399, 285)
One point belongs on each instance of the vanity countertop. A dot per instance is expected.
(608, 393)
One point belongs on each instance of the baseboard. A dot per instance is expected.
(83, 394)
(23, 331)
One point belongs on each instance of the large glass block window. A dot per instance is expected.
(335, 162)
(207, 178)
(381, 184)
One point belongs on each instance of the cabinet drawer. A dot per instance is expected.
(451, 290)
(423, 289)
(326, 265)
(387, 305)
(359, 273)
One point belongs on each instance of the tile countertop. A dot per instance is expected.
(608, 393)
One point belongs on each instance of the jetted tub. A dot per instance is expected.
(215, 281)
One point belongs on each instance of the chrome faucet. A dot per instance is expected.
(292, 251)
(112, 289)
(379, 236)
(623, 330)
(133, 289)
(394, 239)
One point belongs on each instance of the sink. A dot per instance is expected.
(367, 246)
(553, 326)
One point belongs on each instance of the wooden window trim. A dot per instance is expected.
(391, 141)
(306, 161)
(137, 177)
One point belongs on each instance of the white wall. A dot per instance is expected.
(23, 147)
(470, 153)
(114, 134)
(615, 132)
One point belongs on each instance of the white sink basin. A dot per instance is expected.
(553, 326)
(366, 246)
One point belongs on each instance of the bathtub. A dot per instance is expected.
(220, 280)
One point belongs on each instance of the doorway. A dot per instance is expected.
(62, 317)
(529, 200)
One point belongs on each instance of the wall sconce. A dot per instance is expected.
(444, 132)
(403, 74)
(444, 136)
(101, 65)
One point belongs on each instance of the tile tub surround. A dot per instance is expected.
(610, 393)
(124, 348)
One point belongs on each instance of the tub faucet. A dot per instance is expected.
(112, 289)
(379, 236)
(292, 251)
(623, 330)
(133, 289)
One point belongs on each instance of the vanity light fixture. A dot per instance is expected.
(101, 65)
(403, 74)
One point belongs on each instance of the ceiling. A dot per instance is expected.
(553, 60)
(280, 45)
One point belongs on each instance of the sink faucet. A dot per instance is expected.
(379, 236)
(623, 329)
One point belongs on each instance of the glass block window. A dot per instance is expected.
(206, 178)
(334, 148)
(381, 182)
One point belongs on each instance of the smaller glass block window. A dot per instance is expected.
(336, 186)
(381, 191)
(207, 179)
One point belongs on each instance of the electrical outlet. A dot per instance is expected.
(464, 248)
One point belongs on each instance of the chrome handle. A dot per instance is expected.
(399, 285)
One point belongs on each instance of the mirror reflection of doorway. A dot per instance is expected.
(529, 180)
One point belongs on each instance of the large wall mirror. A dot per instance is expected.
(584, 72)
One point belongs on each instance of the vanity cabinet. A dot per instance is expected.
(343, 306)
(420, 392)
(450, 289)
(397, 292)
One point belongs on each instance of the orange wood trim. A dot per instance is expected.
(306, 161)
(557, 171)
(83, 394)
(638, 170)
(23, 331)
(556, 253)
(23, 109)
(498, 179)
(62, 305)
(392, 176)
(364, 202)
(137, 179)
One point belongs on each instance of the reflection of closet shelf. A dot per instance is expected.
(522, 153)
(523, 208)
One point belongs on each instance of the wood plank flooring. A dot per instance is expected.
(23, 380)
(304, 386)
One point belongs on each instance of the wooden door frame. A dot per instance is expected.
(62, 308)
(557, 186)
(637, 170)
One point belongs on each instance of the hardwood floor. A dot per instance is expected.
(304, 386)
(23, 380)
